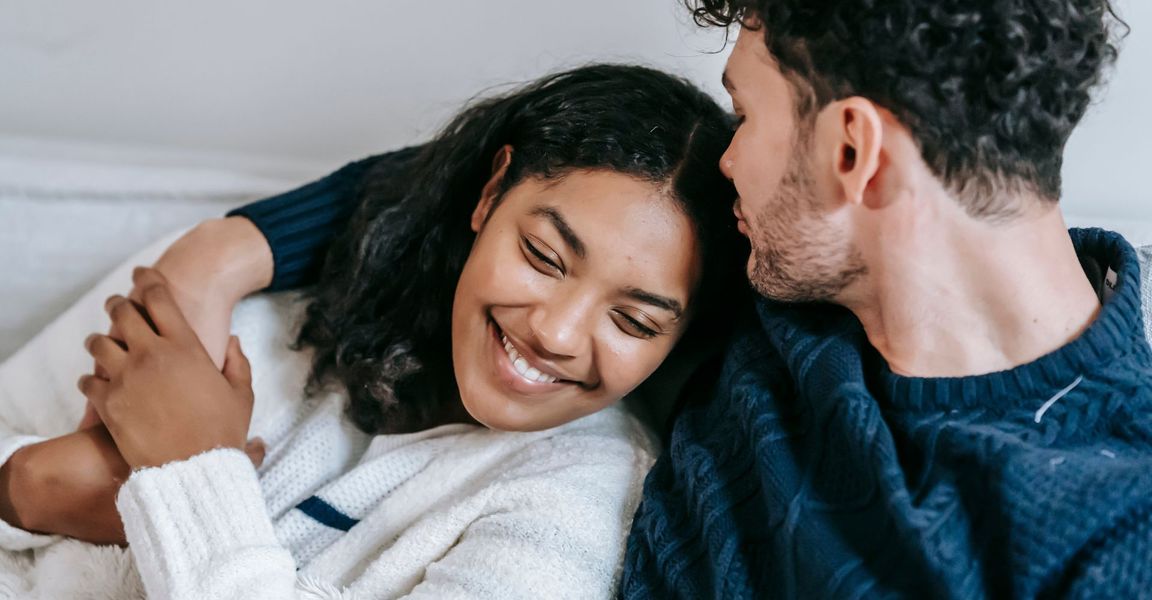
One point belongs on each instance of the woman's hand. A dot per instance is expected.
(162, 398)
(209, 269)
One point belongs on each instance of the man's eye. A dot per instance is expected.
(541, 260)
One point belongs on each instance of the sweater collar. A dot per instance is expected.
(1116, 332)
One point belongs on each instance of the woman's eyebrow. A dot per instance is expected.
(656, 300)
(562, 227)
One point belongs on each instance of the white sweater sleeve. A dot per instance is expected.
(198, 528)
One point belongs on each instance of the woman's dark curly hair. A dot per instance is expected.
(380, 318)
(991, 90)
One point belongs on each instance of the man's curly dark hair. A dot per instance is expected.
(990, 89)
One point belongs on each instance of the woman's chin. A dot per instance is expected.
(499, 420)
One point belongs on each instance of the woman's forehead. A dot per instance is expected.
(617, 223)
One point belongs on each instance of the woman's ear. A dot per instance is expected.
(491, 191)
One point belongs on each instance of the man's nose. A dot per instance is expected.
(727, 162)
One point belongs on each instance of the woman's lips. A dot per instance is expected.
(515, 378)
(523, 367)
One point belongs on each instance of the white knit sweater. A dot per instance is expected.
(455, 511)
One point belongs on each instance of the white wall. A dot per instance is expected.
(1109, 157)
(318, 80)
(328, 81)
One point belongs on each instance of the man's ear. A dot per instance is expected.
(491, 191)
(858, 151)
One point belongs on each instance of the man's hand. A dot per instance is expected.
(163, 399)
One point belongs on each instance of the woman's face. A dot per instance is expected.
(576, 289)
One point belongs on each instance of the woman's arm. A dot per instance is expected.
(195, 516)
(278, 243)
(209, 270)
(67, 484)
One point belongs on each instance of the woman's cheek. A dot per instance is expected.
(635, 359)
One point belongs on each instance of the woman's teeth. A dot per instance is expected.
(522, 367)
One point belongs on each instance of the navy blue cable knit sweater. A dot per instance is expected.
(815, 472)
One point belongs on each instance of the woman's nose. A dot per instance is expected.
(563, 327)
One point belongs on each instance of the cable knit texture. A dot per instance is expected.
(815, 472)
(458, 511)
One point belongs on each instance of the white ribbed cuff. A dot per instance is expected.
(182, 516)
(14, 538)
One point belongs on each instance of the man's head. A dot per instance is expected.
(848, 105)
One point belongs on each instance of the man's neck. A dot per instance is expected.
(978, 298)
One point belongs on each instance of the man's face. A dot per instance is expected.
(802, 248)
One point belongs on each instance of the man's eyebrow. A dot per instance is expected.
(656, 300)
(727, 82)
(563, 227)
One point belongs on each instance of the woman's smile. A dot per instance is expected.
(515, 370)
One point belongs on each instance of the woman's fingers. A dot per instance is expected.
(161, 306)
(95, 390)
(237, 369)
(129, 321)
(109, 354)
(255, 449)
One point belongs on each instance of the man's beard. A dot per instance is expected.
(798, 255)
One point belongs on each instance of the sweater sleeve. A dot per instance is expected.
(300, 225)
(198, 528)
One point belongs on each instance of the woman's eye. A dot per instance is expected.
(634, 327)
(543, 263)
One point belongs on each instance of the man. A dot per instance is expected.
(967, 414)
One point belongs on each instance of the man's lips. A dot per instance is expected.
(741, 224)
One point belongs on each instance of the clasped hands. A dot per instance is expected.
(157, 390)
(155, 397)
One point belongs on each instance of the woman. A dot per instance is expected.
(522, 272)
